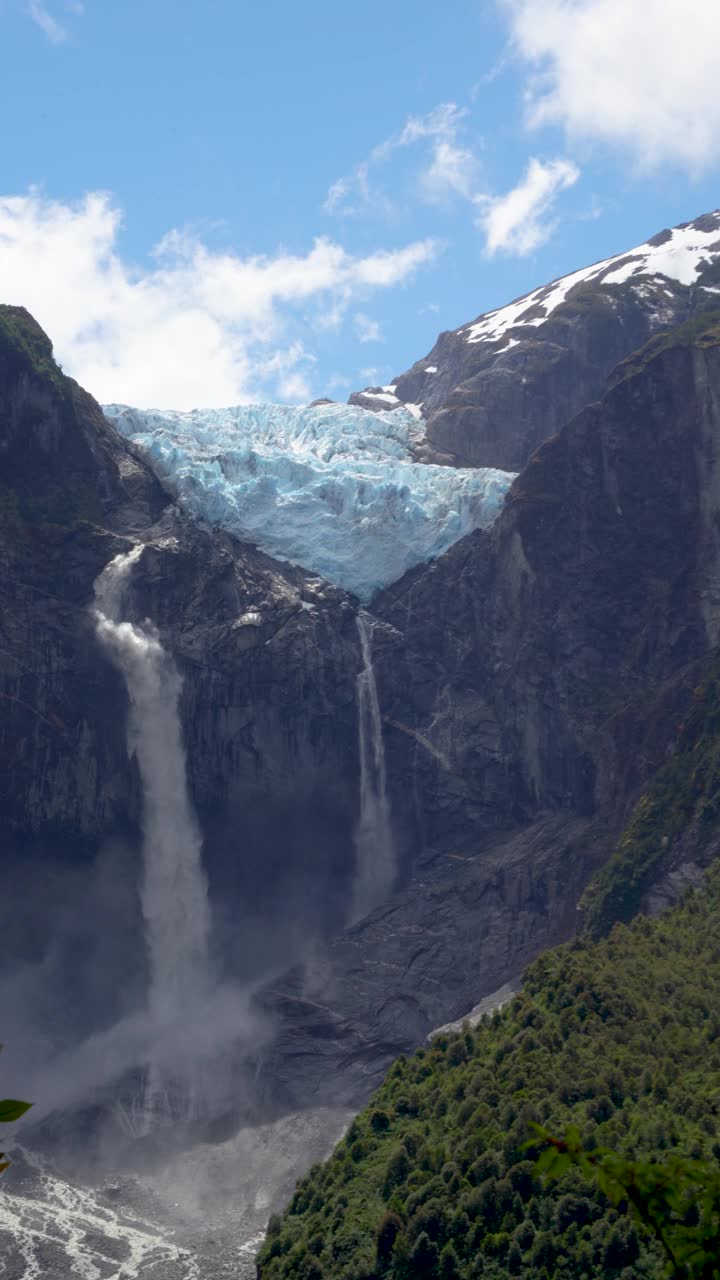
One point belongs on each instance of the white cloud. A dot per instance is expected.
(49, 25)
(391, 266)
(294, 388)
(449, 169)
(331, 318)
(353, 193)
(366, 329)
(442, 123)
(517, 222)
(197, 326)
(338, 191)
(643, 76)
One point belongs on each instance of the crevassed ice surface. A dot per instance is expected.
(330, 487)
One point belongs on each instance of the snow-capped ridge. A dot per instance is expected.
(671, 260)
(679, 254)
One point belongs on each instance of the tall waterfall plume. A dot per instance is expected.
(375, 868)
(174, 888)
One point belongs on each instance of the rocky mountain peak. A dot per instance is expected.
(491, 391)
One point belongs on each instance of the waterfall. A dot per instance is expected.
(375, 868)
(174, 888)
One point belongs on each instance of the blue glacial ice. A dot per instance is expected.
(333, 488)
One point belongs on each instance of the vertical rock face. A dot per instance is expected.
(597, 584)
(268, 657)
(67, 490)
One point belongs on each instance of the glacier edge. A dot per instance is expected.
(332, 487)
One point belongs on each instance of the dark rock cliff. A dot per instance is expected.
(597, 584)
(268, 654)
(530, 681)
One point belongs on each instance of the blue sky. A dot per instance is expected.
(209, 203)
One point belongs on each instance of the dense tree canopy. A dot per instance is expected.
(619, 1038)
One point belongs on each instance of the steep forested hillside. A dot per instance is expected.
(620, 1037)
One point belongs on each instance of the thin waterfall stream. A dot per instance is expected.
(174, 887)
(375, 865)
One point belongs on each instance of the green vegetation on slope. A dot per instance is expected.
(683, 799)
(620, 1038)
(56, 506)
(702, 331)
(24, 337)
(677, 1201)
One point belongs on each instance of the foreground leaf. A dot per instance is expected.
(11, 1109)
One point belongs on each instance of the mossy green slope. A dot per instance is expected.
(620, 1037)
(21, 335)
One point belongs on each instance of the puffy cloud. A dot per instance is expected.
(387, 267)
(514, 223)
(517, 222)
(198, 327)
(643, 76)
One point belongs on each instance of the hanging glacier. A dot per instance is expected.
(331, 487)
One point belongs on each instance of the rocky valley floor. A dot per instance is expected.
(200, 1215)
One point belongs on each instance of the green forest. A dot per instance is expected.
(618, 1038)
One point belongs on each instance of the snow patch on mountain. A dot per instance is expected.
(678, 255)
(331, 487)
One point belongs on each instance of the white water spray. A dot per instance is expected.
(174, 889)
(375, 870)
